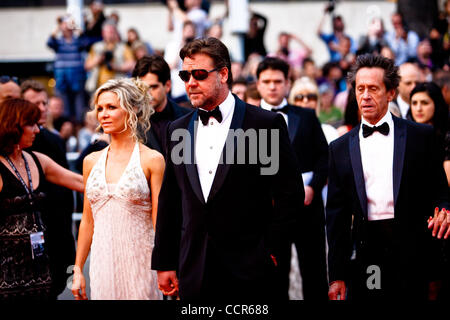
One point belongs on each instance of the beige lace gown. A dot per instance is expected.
(122, 243)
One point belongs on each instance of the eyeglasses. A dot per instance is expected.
(198, 74)
(309, 97)
(5, 79)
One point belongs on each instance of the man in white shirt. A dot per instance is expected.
(311, 149)
(221, 221)
(409, 77)
(384, 182)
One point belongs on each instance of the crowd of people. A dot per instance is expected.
(363, 165)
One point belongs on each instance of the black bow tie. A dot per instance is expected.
(383, 129)
(283, 109)
(205, 115)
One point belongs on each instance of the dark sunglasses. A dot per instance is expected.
(198, 74)
(309, 97)
(5, 79)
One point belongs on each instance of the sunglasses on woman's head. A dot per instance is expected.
(198, 74)
(309, 97)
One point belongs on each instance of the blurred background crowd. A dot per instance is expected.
(415, 35)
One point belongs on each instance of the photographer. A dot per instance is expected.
(333, 40)
(108, 59)
(68, 69)
(403, 42)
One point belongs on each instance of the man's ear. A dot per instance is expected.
(224, 73)
(168, 86)
(391, 94)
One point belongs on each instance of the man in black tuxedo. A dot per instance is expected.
(61, 244)
(224, 208)
(384, 182)
(311, 148)
(155, 72)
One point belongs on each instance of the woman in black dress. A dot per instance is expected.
(428, 106)
(24, 264)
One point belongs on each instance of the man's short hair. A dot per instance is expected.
(442, 78)
(189, 23)
(307, 60)
(212, 47)
(391, 77)
(240, 80)
(152, 64)
(109, 22)
(273, 64)
(326, 68)
(252, 92)
(33, 85)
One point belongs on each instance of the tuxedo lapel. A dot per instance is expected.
(191, 166)
(355, 158)
(293, 123)
(223, 167)
(399, 155)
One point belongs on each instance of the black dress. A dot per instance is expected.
(21, 276)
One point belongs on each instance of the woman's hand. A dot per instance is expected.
(79, 283)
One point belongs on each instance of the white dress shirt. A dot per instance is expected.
(269, 107)
(403, 106)
(209, 143)
(377, 157)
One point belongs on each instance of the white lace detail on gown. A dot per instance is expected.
(122, 243)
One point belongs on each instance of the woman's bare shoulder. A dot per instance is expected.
(91, 159)
(150, 157)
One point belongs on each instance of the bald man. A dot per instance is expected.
(409, 76)
(8, 90)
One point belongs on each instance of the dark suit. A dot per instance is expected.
(311, 148)
(221, 246)
(156, 136)
(419, 185)
(58, 217)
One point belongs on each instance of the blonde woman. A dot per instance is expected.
(305, 93)
(122, 184)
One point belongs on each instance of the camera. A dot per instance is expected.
(108, 57)
(331, 6)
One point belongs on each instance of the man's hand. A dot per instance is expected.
(440, 223)
(309, 195)
(168, 283)
(337, 290)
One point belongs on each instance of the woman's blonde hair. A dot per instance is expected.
(134, 99)
(304, 83)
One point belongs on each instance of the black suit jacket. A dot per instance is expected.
(245, 218)
(175, 112)
(311, 148)
(419, 185)
(310, 145)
